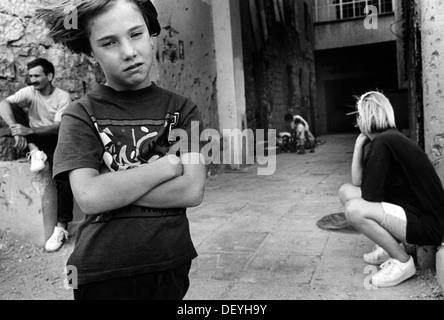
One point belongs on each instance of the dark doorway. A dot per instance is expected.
(346, 73)
(341, 99)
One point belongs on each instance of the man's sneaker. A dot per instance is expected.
(37, 159)
(56, 241)
(393, 272)
(378, 255)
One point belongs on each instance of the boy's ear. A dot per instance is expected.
(50, 76)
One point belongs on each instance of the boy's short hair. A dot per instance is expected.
(375, 113)
(47, 66)
(289, 117)
(298, 121)
(77, 39)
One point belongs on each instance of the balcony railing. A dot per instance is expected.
(333, 10)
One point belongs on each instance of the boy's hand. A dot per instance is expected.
(171, 163)
(153, 159)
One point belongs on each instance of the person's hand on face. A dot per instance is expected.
(362, 141)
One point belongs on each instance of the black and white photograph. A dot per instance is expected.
(224, 155)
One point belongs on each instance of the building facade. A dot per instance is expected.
(359, 46)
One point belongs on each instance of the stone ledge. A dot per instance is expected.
(431, 257)
(425, 256)
(28, 202)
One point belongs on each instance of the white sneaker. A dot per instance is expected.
(37, 159)
(393, 272)
(55, 242)
(378, 255)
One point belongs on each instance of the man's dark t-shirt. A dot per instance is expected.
(132, 240)
(397, 171)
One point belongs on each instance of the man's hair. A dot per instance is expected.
(375, 113)
(77, 39)
(47, 66)
(289, 117)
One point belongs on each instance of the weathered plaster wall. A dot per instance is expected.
(185, 60)
(432, 28)
(432, 32)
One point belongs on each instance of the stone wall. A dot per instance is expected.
(24, 38)
(279, 63)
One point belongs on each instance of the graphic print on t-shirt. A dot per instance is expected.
(131, 143)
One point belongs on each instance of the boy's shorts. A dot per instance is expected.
(395, 221)
(162, 285)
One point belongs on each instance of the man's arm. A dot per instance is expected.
(6, 113)
(305, 123)
(185, 191)
(20, 130)
(8, 116)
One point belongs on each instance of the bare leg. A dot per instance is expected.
(367, 218)
(348, 192)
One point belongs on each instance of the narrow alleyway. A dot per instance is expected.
(256, 237)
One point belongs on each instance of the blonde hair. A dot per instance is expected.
(375, 113)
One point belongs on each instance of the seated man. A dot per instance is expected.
(33, 115)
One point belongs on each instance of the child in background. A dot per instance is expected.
(135, 242)
(301, 134)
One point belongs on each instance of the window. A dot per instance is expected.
(331, 10)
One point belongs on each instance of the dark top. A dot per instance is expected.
(132, 240)
(397, 171)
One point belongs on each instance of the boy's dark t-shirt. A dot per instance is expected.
(397, 171)
(139, 240)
